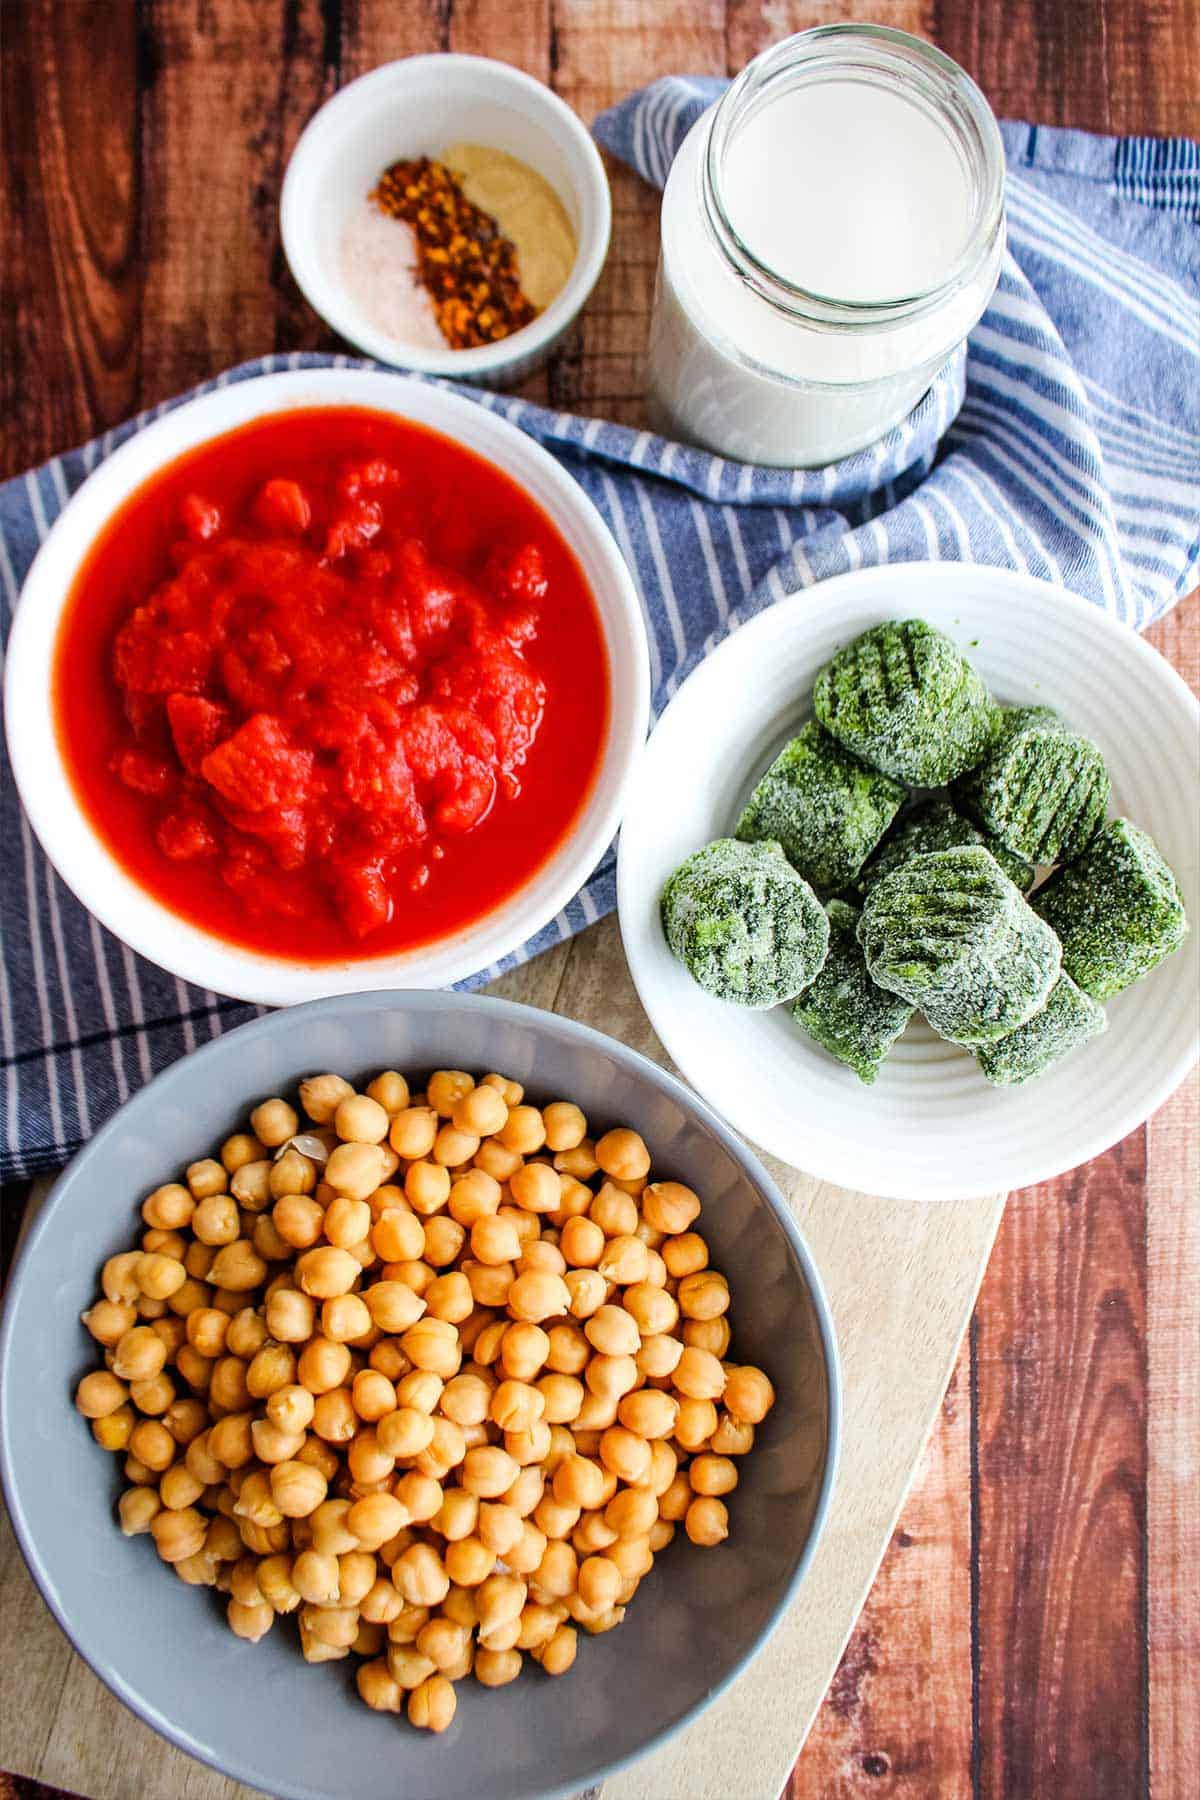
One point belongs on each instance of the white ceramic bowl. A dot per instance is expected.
(80, 855)
(415, 107)
(931, 1128)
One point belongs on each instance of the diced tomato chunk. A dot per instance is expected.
(186, 836)
(200, 518)
(283, 506)
(354, 528)
(197, 726)
(144, 773)
(361, 896)
(258, 766)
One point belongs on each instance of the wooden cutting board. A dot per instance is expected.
(901, 1279)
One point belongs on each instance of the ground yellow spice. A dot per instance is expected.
(468, 266)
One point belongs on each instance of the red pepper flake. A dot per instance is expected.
(464, 260)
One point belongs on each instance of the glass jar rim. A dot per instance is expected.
(937, 79)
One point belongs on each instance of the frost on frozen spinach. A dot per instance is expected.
(1041, 789)
(1069, 1018)
(1117, 909)
(936, 826)
(904, 698)
(745, 924)
(950, 932)
(826, 808)
(843, 1009)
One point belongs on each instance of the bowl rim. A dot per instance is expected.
(688, 1053)
(433, 1002)
(186, 948)
(327, 296)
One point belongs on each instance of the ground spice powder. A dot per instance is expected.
(464, 260)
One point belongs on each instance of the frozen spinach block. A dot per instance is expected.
(950, 932)
(1069, 1018)
(826, 808)
(1117, 909)
(936, 826)
(904, 698)
(747, 927)
(843, 1010)
(1041, 789)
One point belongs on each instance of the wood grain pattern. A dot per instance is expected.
(897, 1719)
(1036, 1622)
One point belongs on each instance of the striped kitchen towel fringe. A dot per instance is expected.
(1065, 441)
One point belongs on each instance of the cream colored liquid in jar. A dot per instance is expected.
(857, 207)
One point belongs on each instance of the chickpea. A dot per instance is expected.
(137, 1508)
(516, 1406)
(569, 1350)
(622, 1154)
(381, 1605)
(445, 1450)
(421, 1389)
(118, 1278)
(538, 1295)
(457, 1516)
(659, 1355)
(168, 1208)
(206, 1178)
(588, 1290)
(114, 1431)
(215, 1220)
(298, 1220)
(327, 1272)
(614, 1212)
(109, 1320)
(449, 1298)
(704, 1295)
(706, 1521)
(609, 1377)
(240, 1149)
(557, 1656)
(426, 1187)
(432, 1344)
(613, 1332)
(290, 1316)
(359, 1119)
(140, 1354)
(562, 1397)
(178, 1534)
(444, 1239)
(100, 1394)
(274, 1122)
(469, 1562)
(159, 1276)
(582, 1242)
(494, 1240)
(390, 1089)
(649, 1412)
(670, 1206)
(372, 1395)
(579, 1482)
(153, 1396)
(356, 1170)
(398, 1235)
(290, 1176)
(733, 1437)
(700, 1375)
(421, 1494)
(321, 1095)
(297, 1488)
(413, 1132)
(488, 1471)
(186, 1419)
(432, 1705)
(748, 1395)
(625, 1453)
(420, 1576)
(536, 1187)
(346, 1222)
(496, 1160)
(416, 1276)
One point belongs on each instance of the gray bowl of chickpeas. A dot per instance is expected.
(438, 1339)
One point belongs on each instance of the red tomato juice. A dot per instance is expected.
(331, 686)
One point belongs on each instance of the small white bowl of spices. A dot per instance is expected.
(447, 214)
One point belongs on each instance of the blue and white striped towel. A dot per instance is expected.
(1065, 442)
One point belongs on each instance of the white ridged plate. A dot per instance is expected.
(931, 1128)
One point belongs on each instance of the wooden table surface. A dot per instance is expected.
(1035, 1626)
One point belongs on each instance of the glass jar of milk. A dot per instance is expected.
(831, 230)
